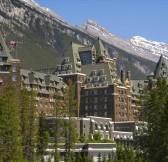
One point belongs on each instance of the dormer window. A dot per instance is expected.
(96, 78)
(69, 67)
(103, 78)
(66, 60)
(94, 72)
(58, 67)
(88, 79)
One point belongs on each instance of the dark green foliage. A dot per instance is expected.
(104, 158)
(85, 158)
(79, 158)
(58, 123)
(91, 158)
(43, 136)
(154, 144)
(82, 139)
(99, 157)
(10, 135)
(97, 136)
(125, 155)
(109, 158)
(29, 125)
(70, 124)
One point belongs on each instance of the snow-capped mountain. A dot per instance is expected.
(48, 35)
(148, 46)
(137, 45)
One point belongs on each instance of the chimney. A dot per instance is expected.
(123, 76)
(129, 75)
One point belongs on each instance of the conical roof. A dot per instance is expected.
(4, 51)
(100, 49)
(161, 68)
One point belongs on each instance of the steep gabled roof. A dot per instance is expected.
(4, 51)
(161, 69)
(100, 49)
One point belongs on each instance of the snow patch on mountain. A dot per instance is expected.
(156, 48)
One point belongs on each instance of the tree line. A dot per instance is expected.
(24, 138)
(23, 134)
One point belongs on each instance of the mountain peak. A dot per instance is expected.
(31, 2)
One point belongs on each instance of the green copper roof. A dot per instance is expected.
(100, 49)
(161, 69)
(100, 74)
(4, 51)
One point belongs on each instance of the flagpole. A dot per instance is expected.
(16, 51)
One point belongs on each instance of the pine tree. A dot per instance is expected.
(10, 135)
(99, 157)
(70, 124)
(79, 158)
(104, 158)
(91, 158)
(29, 125)
(43, 137)
(109, 158)
(85, 158)
(58, 122)
(154, 145)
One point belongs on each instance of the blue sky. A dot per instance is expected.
(125, 18)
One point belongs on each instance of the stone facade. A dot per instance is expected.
(9, 69)
(99, 90)
(45, 87)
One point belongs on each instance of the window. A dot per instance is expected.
(86, 93)
(105, 91)
(96, 78)
(86, 100)
(103, 78)
(1, 59)
(14, 69)
(14, 78)
(95, 100)
(59, 67)
(66, 60)
(102, 71)
(69, 67)
(105, 99)
(93, 72)
(95, 92)
(86, 107)
(95, 107)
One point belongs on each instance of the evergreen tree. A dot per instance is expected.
(109, 158)
(91, 158)
(43, 137)
(70, 124)
(10, 135)
(29, 128)
(58, 122)
(85, 158)
(79, 158)
(104, 158)
(99, 157)
(154, 145)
